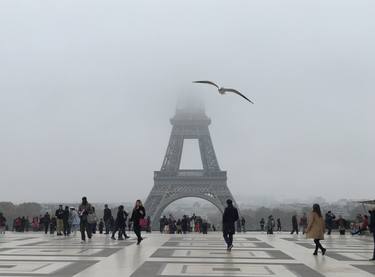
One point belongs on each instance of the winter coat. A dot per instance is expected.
(121, 218)
(84, 210)
(230, 216)
(59, 214)
(137, 214)
(372, 221)
(316, 227)
(107, 214)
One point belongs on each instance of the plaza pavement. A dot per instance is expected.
(254, 254)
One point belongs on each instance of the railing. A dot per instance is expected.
(190, 173)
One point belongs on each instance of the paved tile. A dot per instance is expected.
(194, 255)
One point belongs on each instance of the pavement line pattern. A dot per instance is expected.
(192, 255)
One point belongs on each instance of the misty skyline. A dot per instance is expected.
(87, 89)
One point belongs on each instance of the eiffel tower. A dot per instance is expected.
(172, 183)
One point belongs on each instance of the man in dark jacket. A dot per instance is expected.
(330, 217)
(66, 221)
(107, 218)
(294, 225)
(230, 216)
(59, 214)
(372, 229)
(46, 222)
(120, 224)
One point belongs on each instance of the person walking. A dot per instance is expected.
(278, 222)
(83, 211)
(162, 222)
(243, 224)
(372, 230)
(66, 224)
(59, 214)
(75, 221)
(315, 229)
(120, 224)
(261, 223)
(46, 222)
(138, 214)
(330, 217)
(270, 225)
(107, 215)
(2, 223)
(303, 223)
(294, 224)
(230, 216)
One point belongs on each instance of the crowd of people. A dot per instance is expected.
(184, 225)
(67, 220)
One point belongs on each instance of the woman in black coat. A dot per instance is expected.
(138, 213)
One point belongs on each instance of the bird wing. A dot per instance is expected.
(238, 93)
(207, 82)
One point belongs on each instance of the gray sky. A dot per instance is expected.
(87, 89)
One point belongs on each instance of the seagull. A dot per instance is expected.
(223, 90)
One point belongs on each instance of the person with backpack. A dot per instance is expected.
(120, 224)
(230, 216)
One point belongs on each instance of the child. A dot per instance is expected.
(101, 226)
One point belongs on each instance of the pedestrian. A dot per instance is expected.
(294, 224)
(66, 225)
(107, 218)
(372, 230)
(330, 217)
(2, 223)
(185, 224)
(315, 228)
(261, 223)
(59, 214)
(46, 222)
(270, 225)
(120, 224)
(243, 224)
(52, 225)
(230, 216)
(92, 219)
(303, 223)
(278, 222)
(83, 211)
(138, 214)
(341, 223)
(162, 222)
(179, 227)
(101, 226)
(75, 221)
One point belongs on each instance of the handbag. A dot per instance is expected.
(143, 222)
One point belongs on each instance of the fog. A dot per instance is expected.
(87, 89)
